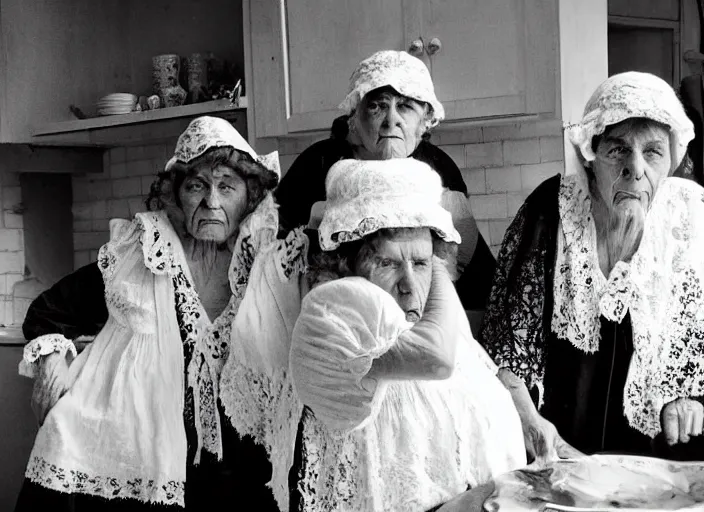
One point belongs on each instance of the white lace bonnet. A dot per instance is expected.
(364, 196)
(628, 95)
(206, 132)
(400, 70)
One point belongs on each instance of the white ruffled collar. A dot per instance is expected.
(257, 230)
(581, 291)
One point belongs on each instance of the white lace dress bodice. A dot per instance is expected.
(119, 430)
(391, 446)
(93, 440)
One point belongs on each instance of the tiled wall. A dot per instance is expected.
(118, 192)
(500, 164)
(11, 245)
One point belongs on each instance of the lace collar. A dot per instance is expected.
(208, 342)
(256, 231)
(581, 292)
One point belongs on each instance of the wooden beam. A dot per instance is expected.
(28, 158)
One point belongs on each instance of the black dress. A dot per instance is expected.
(75, 306)
(583, 393)
(304, 185)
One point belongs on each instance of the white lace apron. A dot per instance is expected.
(255, 386)
(394, 446)
(119, 430)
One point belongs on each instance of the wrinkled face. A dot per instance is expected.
(631, 160)
(214, 200)
(401, 264)
(388, 124)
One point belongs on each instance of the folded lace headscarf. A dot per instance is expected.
(400, 70)
(628, 95)
(661, 285)
(365, 196)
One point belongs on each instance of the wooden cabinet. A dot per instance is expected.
(496, 58)
(324, 42)
(58, 53)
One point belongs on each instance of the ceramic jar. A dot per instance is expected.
(166, 69)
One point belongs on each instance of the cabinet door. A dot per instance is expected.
(498, 57)
(304, 51)
(326, 41)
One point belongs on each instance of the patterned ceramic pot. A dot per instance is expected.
(173, 96)
(165, 71)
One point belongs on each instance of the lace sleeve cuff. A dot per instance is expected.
(42, 346)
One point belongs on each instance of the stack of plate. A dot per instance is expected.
(118, 103)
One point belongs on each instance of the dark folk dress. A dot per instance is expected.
(304, 185)
(76, 306)
(583, 393)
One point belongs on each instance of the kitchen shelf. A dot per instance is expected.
(135, 127)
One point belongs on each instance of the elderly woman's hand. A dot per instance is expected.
(681, 419)
(50, 385)
(545, 444)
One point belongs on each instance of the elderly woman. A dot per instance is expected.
(596, 305)
(389, 111)
(133, 422)
(404, 409)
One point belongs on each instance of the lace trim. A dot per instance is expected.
(121, 234)
(318, 470)
(158, 250)
(512, 332)
(266, 408)
(205, 347)
(292, 255)
(668, 315)
(256, 232)
(330, 476)
(581, 292)
(72, 481)
(42, 346)
(208, 344)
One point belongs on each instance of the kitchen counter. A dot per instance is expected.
(11, 336)
(17, 423)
